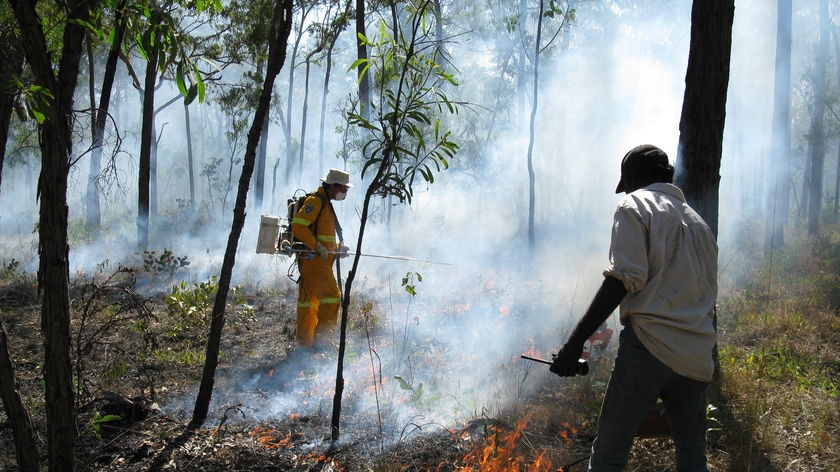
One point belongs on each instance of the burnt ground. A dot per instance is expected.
(141, 361)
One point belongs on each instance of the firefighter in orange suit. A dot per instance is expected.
(319, 296)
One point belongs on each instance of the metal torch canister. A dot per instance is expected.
(582, 367)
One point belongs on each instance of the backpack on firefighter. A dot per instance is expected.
(275, 235)
(286, 242)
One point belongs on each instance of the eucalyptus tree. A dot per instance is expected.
(304, 9)
(278, 37)
(564, 16)
(407, 137)
(325, 34)
(115, 33)
(163, 38)
(704, 106)
(57, 86)
(246, 44)
(778, 196)
(816, 144)
(361, 57)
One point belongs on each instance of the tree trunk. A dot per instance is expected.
(259, 178)
(146, 143)
(93, 214)
(521, 80)
(704, 106)
(26, 448)
(778, 198)
(324, 95)
(190, 158)
(281, 27)
(93, 211)
(816, 149)
(53, 270)
(290, 155)
(305, 112)
(532, 191)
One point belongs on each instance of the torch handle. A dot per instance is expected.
(582, 368)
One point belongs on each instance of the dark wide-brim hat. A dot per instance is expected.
(642, 160)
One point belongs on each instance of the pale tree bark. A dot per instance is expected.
(704, 106)
(290, 155)
(334, 26)
(305, 107)
(53, 248)
(778, 197)
(532, 184)
(190, 160)
(281, 27)
(816, 147)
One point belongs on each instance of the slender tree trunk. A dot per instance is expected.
(146, 142)
(93, 214)
(262, 153)
(817, 144)
(778, 200)
(290, 155)
(53, 249)
(324, 95)
(521, 80)
(190, 159)
(305, 112)
(259, 177)
(281, 27)
(704, 106)
(532, 191)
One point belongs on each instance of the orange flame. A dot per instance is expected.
(272, 439)
(500, 454)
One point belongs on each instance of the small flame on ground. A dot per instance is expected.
(499, 454)
(568, 433)
(270, 438)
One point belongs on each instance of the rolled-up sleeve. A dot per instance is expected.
(629, 248)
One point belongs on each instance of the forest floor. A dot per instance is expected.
(139, 362)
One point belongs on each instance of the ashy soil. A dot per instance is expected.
(138, 363)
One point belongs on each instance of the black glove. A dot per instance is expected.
(566, 363)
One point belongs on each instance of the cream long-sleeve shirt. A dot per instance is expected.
(666, 257)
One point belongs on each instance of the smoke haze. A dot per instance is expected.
(451, 352)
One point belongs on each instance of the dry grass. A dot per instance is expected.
(780, 364)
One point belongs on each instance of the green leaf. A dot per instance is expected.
(179, 79)
(403, 384)
(191, 95)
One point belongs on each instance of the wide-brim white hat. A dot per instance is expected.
(337, 176)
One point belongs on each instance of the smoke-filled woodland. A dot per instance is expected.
(148, 142)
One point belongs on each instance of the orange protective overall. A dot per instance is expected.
(318, 295)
